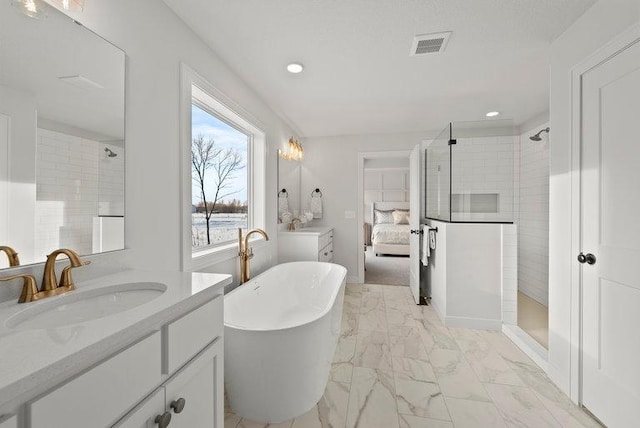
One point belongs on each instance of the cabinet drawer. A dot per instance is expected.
(325, 239)
(190, 334)
(144, 415)
(98, 397)
(326, 254)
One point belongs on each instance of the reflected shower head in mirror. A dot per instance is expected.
(537, 136)
(110, 153)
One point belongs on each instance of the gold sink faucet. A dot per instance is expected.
(11, 255)
(50, 285)
(49, 280)
(292, 224)
(246, 253)
(29, 288)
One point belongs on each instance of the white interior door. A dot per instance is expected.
(414, 222)
(610, 200)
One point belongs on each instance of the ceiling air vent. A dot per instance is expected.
(429, 43)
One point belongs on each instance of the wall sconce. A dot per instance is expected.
(31, 8)
(74, 5)
(38, 8)
(294, 151)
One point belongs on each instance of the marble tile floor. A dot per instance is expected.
(397, 366)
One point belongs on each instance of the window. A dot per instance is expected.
(223, 169)
(219, 164)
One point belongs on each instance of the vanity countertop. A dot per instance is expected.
(307, 231)
(36, 359)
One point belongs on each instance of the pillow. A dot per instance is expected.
(383, 216)
(400, 217)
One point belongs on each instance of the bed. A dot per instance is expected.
(387, 237)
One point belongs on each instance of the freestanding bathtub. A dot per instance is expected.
(280, 330)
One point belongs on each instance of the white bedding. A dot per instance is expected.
(397, 234)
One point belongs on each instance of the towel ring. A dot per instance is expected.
(284, 193)
(316, 193)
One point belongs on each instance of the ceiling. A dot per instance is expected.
(359, 77)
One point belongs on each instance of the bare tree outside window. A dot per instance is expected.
(213, 168)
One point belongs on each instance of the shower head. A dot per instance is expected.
(110, 153)
(537, 136)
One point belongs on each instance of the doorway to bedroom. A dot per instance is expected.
(386, 219)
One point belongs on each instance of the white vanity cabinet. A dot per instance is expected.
(146, 413)
(201, 385)
(176, 372)
(193, 397)
(308, 244)
(104, 392)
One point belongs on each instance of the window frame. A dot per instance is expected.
(196, 89)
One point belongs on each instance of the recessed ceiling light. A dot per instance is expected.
(492, 114)
(295, 68)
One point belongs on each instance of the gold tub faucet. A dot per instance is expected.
(11, 255)
(246, 253)
(292, 224)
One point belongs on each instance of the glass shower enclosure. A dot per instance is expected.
(470, 175)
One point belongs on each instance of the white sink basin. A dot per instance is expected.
(81, 306)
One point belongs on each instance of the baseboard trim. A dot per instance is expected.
(437, 309)
(528, 345)
(353, 279)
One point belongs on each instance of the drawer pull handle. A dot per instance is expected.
(163, 420)
(178, 405)
(326, 253)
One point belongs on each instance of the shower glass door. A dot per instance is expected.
(438, 177)
(470, 175)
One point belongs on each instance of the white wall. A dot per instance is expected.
(384, 184)
(20, 108)
(331, 164)
(605, 20)
(155, 42)
(533, 223)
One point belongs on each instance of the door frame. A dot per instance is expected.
(604, 54)
(360, 201)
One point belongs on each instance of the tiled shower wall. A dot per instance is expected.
(75, 183)
(533, 225)
(485, 166)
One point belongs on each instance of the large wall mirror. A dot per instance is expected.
(61, 137)
(288, 180)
